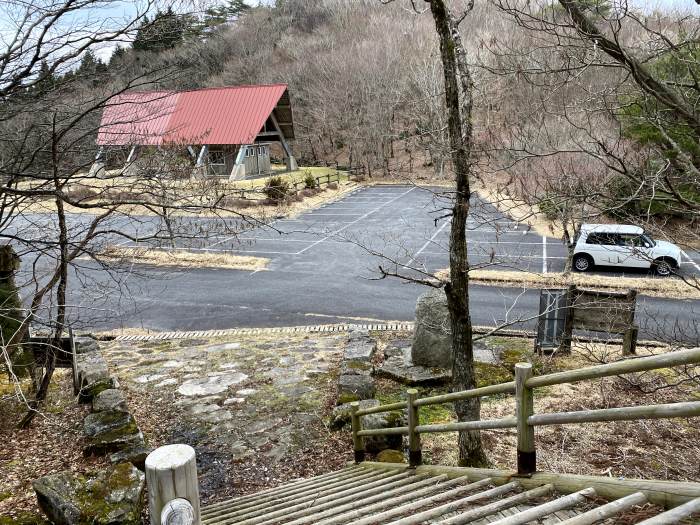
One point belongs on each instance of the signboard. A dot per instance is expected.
(564, 310)
(603, 311)
(552, 318)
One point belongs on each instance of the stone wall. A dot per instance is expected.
(113, 495)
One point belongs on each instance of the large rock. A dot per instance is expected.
(402, 370)
(213, 384)
(110, 431)
(136, 455)
(355, 388)
(359, 347)
(376, 444)
(113, 496)
(341, 414)
(85, 345)
(432, 338)
(356, 368)
(92, 375)
(101, 422)
(391, 456)
(109, 400)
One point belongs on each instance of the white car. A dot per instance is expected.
(623, 246)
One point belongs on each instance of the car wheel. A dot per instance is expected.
(663, 268)
(582, 263)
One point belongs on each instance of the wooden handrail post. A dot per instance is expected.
(524, 408)
(415, 456)
(173, 489)
(358, 442)
(629, 341)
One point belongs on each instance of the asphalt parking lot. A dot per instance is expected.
(324, 269)
(402, 228)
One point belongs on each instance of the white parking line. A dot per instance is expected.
(305, 241)
(498, 255)
(255, 239)
(695, 265)
(316, 214)
(428, 243)
(253, 251)
(544, 254)
(497, 241)
(336, 232)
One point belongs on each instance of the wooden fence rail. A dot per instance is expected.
(298, 185)
(525, 420)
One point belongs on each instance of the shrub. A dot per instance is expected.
(232, 202)
(80, 193)
(124, 196)
(309, 181)
(307, 192)
(276, 189)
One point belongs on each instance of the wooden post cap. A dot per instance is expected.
(169, 457)
(171, 474)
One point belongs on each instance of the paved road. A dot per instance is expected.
(323, 269)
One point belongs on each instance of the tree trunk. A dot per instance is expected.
(55, 344)
(459, 126)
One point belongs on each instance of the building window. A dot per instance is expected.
(217, 157)
(261, 151)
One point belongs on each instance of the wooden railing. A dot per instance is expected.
(525, 419)
(321, 179)
(244, 193)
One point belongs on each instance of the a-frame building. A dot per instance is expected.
(227, 131)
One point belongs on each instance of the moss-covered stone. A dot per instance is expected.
(24, 518)
(489, 374)
(112, 496)
(354, 388)
(110, 432)
(341, 414)
(391, 456)
(431, 414)
(347, 398)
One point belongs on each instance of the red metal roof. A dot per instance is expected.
(227, 115)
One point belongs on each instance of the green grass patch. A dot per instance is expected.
(290, 177)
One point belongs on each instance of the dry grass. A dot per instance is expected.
(653, 286)
(196, 194)
(291, 177)
(51, 444)
(328, 195)
(184, 258)
(520, 211)
(650, 449)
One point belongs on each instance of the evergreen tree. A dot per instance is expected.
(222, 14)
(88, 64)
(46, 81)
(91, 69)
(165, 31)
(117, 55)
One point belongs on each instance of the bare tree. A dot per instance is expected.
(56, 213)
(611, 125)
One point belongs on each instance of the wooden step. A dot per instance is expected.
(371, 495)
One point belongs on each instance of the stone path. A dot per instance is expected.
(255, 395)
